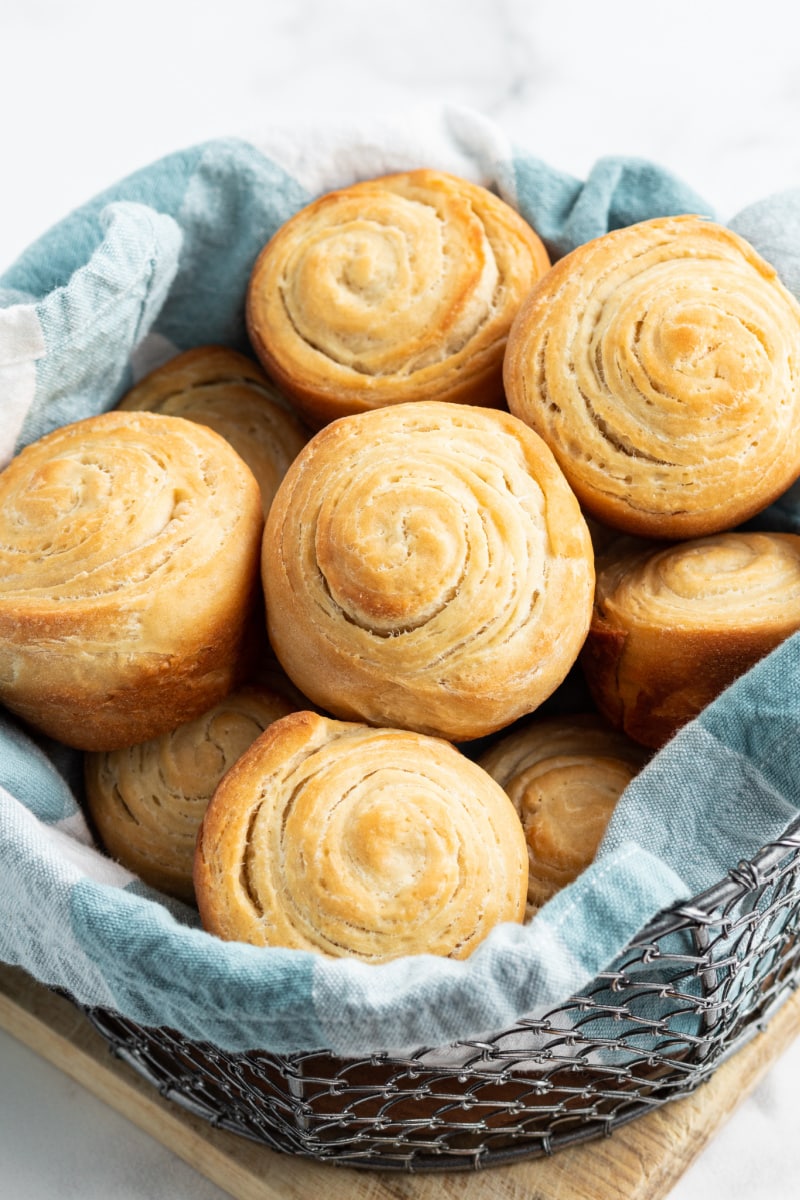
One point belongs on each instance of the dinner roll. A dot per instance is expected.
(426, 566)
(128, 566)
(564, 776)
(672, 626)
(399, 288)
(147, 801)
(361, 842)
(231, 394)
(661, 364)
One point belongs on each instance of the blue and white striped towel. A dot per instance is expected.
(159, 263)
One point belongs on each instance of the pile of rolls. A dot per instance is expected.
(300, 610)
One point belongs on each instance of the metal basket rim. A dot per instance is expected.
(739, 880)
(700, 910)
(713, 906)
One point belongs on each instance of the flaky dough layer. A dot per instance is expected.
(226, 391)
(672, 626)
(147, 801)
(661, 364)
(128, 562)
(426, 566)
(399, 288)
(564, 777)
(360, 842)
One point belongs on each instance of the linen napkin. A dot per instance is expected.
(159, 263)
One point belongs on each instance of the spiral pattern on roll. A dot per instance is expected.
(226, 391)
(102, 506)
(147, 800)
(427, 566)
(393, 289)
(674, 626)
(730, 579)
(661, 363)
(128, 552)
(348, 840)
(564, 777)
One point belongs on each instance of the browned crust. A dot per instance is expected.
(655, 658)
(341, 644)
(147, 800)
(548, 362)
(229, 393)
(127, 662)
(200, 365)
(223, 829)
(651, 685)
(288, 856)
(321, 388)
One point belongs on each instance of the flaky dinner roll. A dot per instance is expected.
(147, 801)
(674, 626)
(128, 562)
(400, 288)
(426, 566)
(348, 840)
(564, 777)
(661, 364)
(231, 394)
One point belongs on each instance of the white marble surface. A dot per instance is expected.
(89, 92)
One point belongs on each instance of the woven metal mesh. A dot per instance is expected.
(689, 990)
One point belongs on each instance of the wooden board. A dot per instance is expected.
(640, 1161)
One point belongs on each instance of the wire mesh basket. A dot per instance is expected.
(690, 989)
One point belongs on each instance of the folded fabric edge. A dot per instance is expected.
(321, 996)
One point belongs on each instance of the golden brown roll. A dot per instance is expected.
(128, 562)
(400, 288)
(426, 566)
(564, 777)
(673, 626)
(661, 364)
(147, 801)
(231, 394)
(362, 842)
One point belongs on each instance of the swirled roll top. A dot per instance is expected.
(147, 801)
(128, 561)
(232, 395)
(672, 626)
(349, 840)
(661, 364)
(399, 288)
(564, 777)
(426, 566)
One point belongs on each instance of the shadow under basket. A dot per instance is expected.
(689, 990)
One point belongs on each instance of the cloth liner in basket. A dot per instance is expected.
(159, 263)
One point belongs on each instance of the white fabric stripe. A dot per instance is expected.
(57, 850)
(487, 144)
(88, 862)
(328, 156)
(21, 343)
(58, 853)
(75, 827)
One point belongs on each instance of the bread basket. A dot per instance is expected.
(692, 987)
(680, 996)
